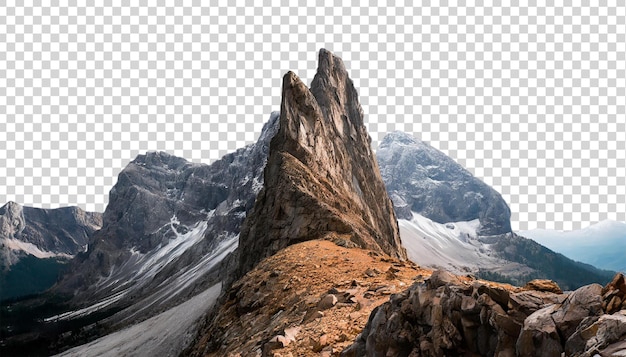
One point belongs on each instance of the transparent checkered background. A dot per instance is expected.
(530, 99)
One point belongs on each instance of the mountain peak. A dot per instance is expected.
(11, 219)
(160, 159)
(321, 177)
(435, 186)
(398, 137)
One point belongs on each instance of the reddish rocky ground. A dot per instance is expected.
(309, 299)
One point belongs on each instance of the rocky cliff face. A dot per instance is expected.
(445, 316)
(424, 180)
(321, 176)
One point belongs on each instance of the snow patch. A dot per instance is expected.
(454, 246)
(257, 185)
(29, 248)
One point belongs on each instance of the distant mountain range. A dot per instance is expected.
(37, 244)
(602, 244)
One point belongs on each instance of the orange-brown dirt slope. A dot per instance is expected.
(309, 299)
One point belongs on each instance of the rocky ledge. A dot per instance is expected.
(444, 316)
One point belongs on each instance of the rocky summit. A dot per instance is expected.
(321, 175)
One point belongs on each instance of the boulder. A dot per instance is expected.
(543, 285)
(582, 303)
(539, 336)
(327, 302)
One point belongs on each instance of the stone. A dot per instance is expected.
(609, 329)
(618, 283)
(372, 272)
(543, 285)
(276, 342)
(499, 295)
(539, 335)
(291, 333)
(584, 302)
(327, 302)
(441, 277)
(614, 304)
(320, 343)
(528, 302)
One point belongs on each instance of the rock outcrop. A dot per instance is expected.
(424, 180)
(443, 317)
(321, 176)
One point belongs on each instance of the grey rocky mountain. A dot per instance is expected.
(166, 231)
(36, 244)
(450, 219)
(167, 226)
(422, 179)
(61, 231)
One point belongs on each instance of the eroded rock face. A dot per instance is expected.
(447, 317)
(321, 175)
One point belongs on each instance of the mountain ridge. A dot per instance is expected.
(175, 230)
(37, 243)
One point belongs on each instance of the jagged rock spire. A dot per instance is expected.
(321, 177)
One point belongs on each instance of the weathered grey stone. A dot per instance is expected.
(540, 336)
(610, 329)
(440, 278)
(583, 302)
(327, 302)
